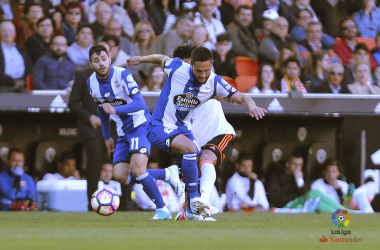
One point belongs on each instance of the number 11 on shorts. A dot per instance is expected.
(134, 143)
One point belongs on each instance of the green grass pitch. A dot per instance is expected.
(134, 230)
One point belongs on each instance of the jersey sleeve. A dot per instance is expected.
(171, 65)
(130, 84)
(223, 88)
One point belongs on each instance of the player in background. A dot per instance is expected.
(106, 179)
(186, 88)
(119, 99)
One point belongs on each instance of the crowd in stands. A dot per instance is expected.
(301, 42)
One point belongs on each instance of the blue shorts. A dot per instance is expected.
(134, 142)
(162, 137)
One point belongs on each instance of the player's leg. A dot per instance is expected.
(327, 204)
(208, 174)
(361, 201)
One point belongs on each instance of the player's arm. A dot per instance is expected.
(105, 120)
(155, 58)
(249, 104)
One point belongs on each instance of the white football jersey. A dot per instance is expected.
(209, 121)
(114, 185)
(328, 189)
(182, 94)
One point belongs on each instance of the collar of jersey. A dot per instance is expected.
(108, 79)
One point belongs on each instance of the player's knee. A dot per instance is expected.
(137, 170)
(208, 155)
(190, 148)
(120, 174)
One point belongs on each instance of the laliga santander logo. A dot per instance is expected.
(323, 239)
(341, 218)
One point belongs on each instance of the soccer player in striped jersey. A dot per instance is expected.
(186, 88)
(119, 99)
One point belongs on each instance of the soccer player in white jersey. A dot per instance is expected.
(185, 89)
(341, 192)
(119, 99)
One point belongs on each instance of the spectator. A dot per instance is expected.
(288, 50)
(346, 46)
(299, 5)
(166, 43)
(137, 13)
(14, 183)
(266, 82)
(213, 26)
(118, 13)
(6, 10)
(39, 43)
(156, 79)
(291, 81)
(15, 63)
(334, 83)
(66, 167)
(313, 42)
(368, 19)
(286, 182)
(269, 16)
(54, 70)
(70, 25)
(144, 37)
(244, 189)
(63, 8)
(167, 192)
(242, 38)
(316, 69)
(228, 10)
(172, 19)
(106, 179)
(363, 84)
(114, 28)
(103, 14)
(78, 51)
(224, 58)
(183, 52)
(159, 11)
(200, 38)
(83, 106)
(270, 46)
(47, 6)
(332, 12)
(298, 33)
(361, 52)
(26, 28)
(279, 6)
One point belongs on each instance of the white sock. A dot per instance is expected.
(360, 199)
(168, 173)
(207, 180)
(288, 210)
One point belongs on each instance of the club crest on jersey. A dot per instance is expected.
(107, 94)
(186, 102)
(130, 78)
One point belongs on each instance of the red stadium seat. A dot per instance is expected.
(230, 81)
(29, 82)
(245, 66)
(245, 83)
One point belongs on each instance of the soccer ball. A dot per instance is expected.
(105, 201)
(341, 218)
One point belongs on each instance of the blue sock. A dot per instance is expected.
(190, 173)
(151, 189)
(188, 208)
(157, 174)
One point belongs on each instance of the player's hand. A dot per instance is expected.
(57, 18)
(134, 60)
(333, 182)
(298, 173)
(257, 113)
(108, 108)
(251, 175)
(76, 174)
(95, 121)
(110, 146)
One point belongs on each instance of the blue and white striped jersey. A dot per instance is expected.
(182, 94)
(120, 90)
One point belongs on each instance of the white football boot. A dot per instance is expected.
(177, 185)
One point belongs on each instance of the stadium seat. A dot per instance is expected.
(29, 82)
(245, 83)
(230, 81)
(47, 154)
(5, 146)
(245, 66)
(318, 153)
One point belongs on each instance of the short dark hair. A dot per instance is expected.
(73, 5)
(201, 54)
(330, 162)
(361, 46)
(43, 19)
(82, 26)
(295, 154)
(28, 6)
(292, 59)
(223, 37)
(96, 49)
(307, 10)
(183, 51)
(14, 150)
(246, 7)
(244, 155)
(344, 20)
(108, 37)
(66, 155)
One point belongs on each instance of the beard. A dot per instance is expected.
(242, 174)
(99, 73)
(57, 54)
